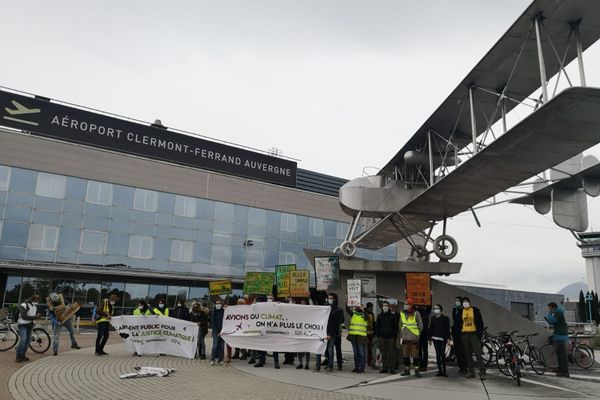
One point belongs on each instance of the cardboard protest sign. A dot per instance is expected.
(327, 272)
(217, 288)
(353, 287)
(368, 283)
(418, 287)
(278, 327)
(258, 283)
(282, 279)
(299, 284)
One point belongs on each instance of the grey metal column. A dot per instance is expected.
(538, 37)
(579, 54)
(503, 114)
(473, 121)
(430, 159)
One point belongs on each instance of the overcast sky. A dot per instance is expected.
(338, 84)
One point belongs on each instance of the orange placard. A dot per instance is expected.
(418, 288)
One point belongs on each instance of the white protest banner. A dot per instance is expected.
(153, 334)
(354, 291)
(278, 327)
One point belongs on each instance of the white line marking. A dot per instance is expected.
(547, 385)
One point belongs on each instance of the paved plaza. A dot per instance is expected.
(81, 375)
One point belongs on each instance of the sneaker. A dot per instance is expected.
(405, 373)
(300, 366)
(360, 371)
(306, 366)
(259, 365)
(317, 370)
(393, 371)
(439, 374)
(339, 367)
(482, 377)
(243, 357)
(203, 357)
(98, 354)
(471, 375)
(103, 353)
(355, 370)
(252, 361)
(417, 373)
(19, 360)
(212, 363)
(328, 369)
(562, 375)
(75, 346)
(277, 366)
(220, 363)
(55, 353)
(444, 374)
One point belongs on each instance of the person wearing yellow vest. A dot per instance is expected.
(162, 309)
(357, 335)
(410, 327)
(471, 330)
(104, 312)
(142, 309)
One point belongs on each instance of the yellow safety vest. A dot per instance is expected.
(105, 308)
(358, 325)
(138, 312)
(410, 323)
(164, 313)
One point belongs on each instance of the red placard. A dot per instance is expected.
(418, 287)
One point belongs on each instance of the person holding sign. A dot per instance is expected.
(410, 327)
(55, 302)
(357, 335)
(216, 324)
(199, 315)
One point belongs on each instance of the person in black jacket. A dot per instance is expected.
(216, 324)
(457, 348)
(471, 330)
(181, 311)
(386, 330)
(439, 334)
(334, 323)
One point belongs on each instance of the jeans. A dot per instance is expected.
(102, 338)
(423, 351)
(472, 345)
(360, 352)
(459, 352)
(25, 339)
(440, 354)
(388, 353)
(57, 328)
(301, 357)
(201, 343)
(217, 348)
(338, 350)
(560, 347)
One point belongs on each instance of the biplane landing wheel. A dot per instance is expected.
(419, 254)
(445, 247)
(347, 248)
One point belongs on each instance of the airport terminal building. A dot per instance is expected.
(99, 204)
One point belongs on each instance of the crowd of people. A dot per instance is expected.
(403, 336)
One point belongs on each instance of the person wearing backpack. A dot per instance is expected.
(27, 314)
(104, 312)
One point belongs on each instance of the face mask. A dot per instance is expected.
(457, 304)
(112, 303)
(330, 301)
(218, 306)
(406, 306)
(161, 306)
(385, 309)
(437, 311)
(179, 304)
(466, 304)
(140, 307)
(35, 303)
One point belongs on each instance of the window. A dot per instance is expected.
(181, 250)
(342, 229)
(185, 206)
(1, 223)
(315, 226)
(43, 237)
(145, 200)
(92, 242)
(4, 177)
(50, 185)
(99, 193)
(286, 257)
(221, 255)
(288, 222)
(140, 247)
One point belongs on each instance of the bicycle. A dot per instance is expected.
(9, 337)
(509, 358)
(490, 345)
(579, 353)
(531, 354)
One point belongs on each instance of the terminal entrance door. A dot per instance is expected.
(525, 310)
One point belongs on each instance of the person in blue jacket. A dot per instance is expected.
(556, 318)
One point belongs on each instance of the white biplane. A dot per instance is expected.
(465, 153)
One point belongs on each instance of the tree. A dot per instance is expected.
(582, 308)
(595, 314)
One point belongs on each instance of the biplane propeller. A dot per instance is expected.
(466, 153)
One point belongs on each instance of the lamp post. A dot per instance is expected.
(589, 298)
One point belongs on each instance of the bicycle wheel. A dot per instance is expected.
(583, 356)
(535, 361)
(503, 360)
(549, 356)
(487, 353)
(8, 339)
(40, 340)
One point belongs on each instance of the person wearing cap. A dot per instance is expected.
(104, 313)
(439, 335)
(471, 330)
(410, 328)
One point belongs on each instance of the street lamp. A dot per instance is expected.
(589, 298)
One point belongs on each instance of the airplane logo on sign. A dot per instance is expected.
(19, 110)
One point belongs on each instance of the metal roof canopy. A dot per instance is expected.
(494, 70)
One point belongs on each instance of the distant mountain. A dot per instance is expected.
(572, 290)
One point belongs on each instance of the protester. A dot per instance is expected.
(142, 308)
(262, 355)
(471, 330)
(556, 318)
(216, 324)
(386, 330)
(56, 302)
(27, 314)
(410, 328)
(239, 353)
(357, 335)
(180, 311)
(334, 325)
(199, 315)
(162, 309)
(439, 334)
(425, 312)
(370, 334)
(104, 312)
(457, 347)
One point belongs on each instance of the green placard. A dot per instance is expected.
(258, 283)
(282, 280)
(220, 287)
